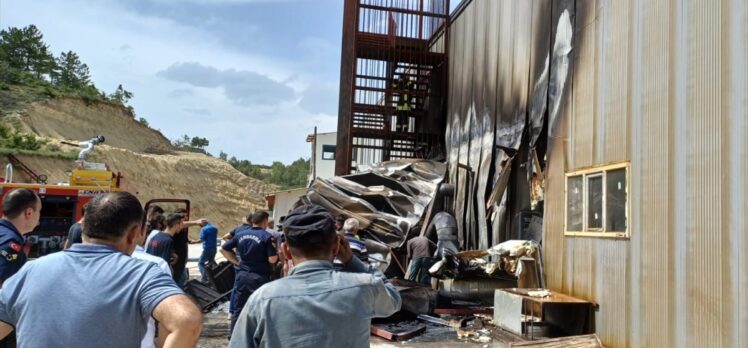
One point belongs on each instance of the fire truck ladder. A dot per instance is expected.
(24, 168)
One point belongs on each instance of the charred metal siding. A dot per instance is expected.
(660, 84)
(664, 85)
(497, 48)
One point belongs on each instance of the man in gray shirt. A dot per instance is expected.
(94, 293)
(316, 306)
(420, 250)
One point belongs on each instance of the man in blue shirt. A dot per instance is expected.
(316, 306)
(94, 293)
(256, 249)
(162, 244)
(21, 211)
(245, 226)
(209, 237)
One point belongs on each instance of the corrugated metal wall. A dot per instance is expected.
(660, 84)
(497, 49)
(664, 85)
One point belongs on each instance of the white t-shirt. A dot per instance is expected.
(139, 253)
(150, 236)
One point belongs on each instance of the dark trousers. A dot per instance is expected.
(245, 284)
(207, 257)
(418, 270)
(402, 121)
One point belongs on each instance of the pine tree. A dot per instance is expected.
(24, 49)
(72, 73)
(199, 143)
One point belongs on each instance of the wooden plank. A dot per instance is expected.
(615, 235)
(584, 341)
(594, 169)
(554, 298)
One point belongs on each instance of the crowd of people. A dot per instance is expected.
(307, 284)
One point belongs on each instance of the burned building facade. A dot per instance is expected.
(622, 124)
(614, 133)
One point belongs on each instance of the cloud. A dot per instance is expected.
(321, 97)
(179, 93)
(318, 48)
(199, 112)
(131, 42)
(243, 87)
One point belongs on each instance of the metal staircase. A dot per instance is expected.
(393, 77)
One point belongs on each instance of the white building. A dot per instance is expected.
(322, 164)
(281, 202)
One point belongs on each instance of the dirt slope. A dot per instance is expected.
(217, 191)
(72, 119)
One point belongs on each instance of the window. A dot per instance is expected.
(328, 152)
(597, 202)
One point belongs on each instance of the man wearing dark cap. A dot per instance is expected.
(21, 211)
(257, 254)
(316, 306)
(94, 293)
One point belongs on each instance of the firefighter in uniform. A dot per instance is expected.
(253, 251)
(21, 212)
(404, 86)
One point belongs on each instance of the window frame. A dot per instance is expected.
(592, 172)
(323, 152)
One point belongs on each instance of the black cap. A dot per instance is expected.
(309, 224)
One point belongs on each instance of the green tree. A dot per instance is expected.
(223, 156)
(199, 143)
(72, 73)
(24, 49)
(121, 95)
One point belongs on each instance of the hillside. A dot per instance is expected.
(69, 118)
(152, 169)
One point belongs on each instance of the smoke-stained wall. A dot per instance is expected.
(565, 85)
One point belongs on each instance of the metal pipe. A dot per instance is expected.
(8, 173)
(314, 155)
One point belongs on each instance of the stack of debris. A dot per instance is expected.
(462, 307)
(389, 201)
(216, 290)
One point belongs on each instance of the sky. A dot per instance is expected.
(252, 76)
